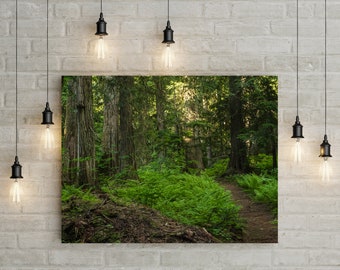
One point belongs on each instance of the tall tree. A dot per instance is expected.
(110, 139)
(127, 147)
(160, 109)
(80, 135)
(238, 162)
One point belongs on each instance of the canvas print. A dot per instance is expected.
(169, 159)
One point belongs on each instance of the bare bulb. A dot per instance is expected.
(325, 171)
(297, 151)
(48, 138)
(15, 192)
(168, 55)
(101, 48)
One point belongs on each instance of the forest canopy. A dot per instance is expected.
(116, 124)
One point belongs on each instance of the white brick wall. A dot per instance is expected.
(212, 37)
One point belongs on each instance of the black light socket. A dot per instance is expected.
(47, 115)
(101, 26)
(297, 129)
(325, 148)
(16, 169)
(168, 34)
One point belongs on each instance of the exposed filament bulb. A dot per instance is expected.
(101, 48)
(15, 191)
(297, 151)
(48, 138)
(168, 56)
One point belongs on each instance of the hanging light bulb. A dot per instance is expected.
(325, 153)
(325, 147)
(47, 137)
(101, 32)
(16, 167)
(16, 175)
(297, 135)
(101, 48)
(15, 192)
(297, 127)
(47, 114)
(168, 40)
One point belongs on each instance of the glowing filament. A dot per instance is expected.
(101, 48)
(15, 192)
(168, 57)
(325, 171)
(297, 151)
(48, 138)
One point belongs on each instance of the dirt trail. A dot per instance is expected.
(258, 217)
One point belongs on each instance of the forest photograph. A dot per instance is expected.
(169, 159)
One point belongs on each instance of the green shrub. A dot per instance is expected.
(261, 164)
(71, 192)
(189, 199)
(218, 169)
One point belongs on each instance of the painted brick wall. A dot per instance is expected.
(250, 37)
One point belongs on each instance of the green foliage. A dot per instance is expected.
(261, 164)
(189, 199)
(262, 189)
(70, 192)
(218, 169)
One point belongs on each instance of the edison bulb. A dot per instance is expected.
(325, 171)
(101, 48)
(48, 138)
(15, 192)
(168, 55)
(297, 151)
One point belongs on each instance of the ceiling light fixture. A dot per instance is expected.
(47, 114)
(101, 32)
(168, 40)
(325, 147)
(297, 127)
(16, 167)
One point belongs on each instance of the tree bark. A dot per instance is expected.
(238, 162)
(80, 135)
(110, 142)
(160, 103)
(127, 147)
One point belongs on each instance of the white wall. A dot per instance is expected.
(212, 37)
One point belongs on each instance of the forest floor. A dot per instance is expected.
(110, 222)
(259, 226)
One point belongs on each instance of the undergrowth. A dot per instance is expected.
(189, 199)
(262, 188)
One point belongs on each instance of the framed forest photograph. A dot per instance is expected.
(169, 159)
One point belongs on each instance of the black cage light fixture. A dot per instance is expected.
(168, 39)
(47, 114)
(325, 147)
(16, 167)
(297, 127)
(101, 32)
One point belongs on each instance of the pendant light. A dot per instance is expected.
(16, 167)
(168, 40)
(47, 114)
(325, 147)
(297, 127)
(101, 32)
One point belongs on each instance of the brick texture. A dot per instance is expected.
(250, 37)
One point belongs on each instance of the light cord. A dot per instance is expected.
(325, 66)
(168, 10)
(47, 53)
(297, 57)
(101, 5)
(16, 77)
